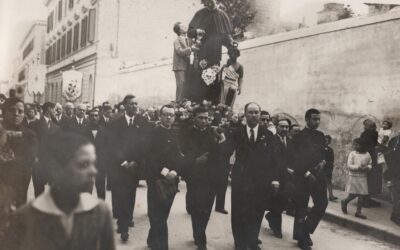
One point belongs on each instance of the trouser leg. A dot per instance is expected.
(180, 77)
(158, 215)
(396, 201)
(221, 191)
(203, 200)
(101, 184)
(22, 185)
(38, 181)
(320, 200)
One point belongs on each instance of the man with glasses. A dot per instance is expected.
(165, 165)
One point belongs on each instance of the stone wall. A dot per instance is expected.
(348, 69)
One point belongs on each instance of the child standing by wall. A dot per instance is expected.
(358, 163)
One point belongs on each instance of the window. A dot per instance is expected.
(63, 41)
(76, 38)
(84, 31)
(50, 22)
(60, 10)
(48, 56)
(28, 49)
(54, 53)
(58, 49)
(70, 4)
(92, 25)
(69, 42)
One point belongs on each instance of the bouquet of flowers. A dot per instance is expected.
(209, 75)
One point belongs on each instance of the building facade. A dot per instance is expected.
(104, 40)
(29, 67)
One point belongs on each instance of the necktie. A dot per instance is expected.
(130, 122)
(252, 139)
(48, 123)
(284, 141)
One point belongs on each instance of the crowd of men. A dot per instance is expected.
(193, 142)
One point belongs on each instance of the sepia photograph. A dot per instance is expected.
(199, 124)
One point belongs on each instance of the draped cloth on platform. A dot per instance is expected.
(218, 29)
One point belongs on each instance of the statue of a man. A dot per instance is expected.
(211, 29)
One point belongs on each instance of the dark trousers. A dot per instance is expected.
(248, 206)
(221, 188)
(188, 198)
(101, 184)
(395, 217)
(306, 222)
(202, 196)
(123, 201)
(38, 179)
(158, 211)
(276, 205)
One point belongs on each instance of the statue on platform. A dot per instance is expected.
(211, 29)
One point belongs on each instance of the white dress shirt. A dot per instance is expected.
(255, 129)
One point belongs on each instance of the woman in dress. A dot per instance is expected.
(358, 163)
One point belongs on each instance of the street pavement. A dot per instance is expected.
(327, 237)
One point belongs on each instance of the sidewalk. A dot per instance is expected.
(377, 225)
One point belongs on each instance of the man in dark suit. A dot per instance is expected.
(45, 129)
(201, 148)
(283, 147)
(127, 152)
(78, 124)
(310, 180)
(165, 164)
(23, 143)
(254, 178)
(60, 118)
(106, 115)
(97, 134)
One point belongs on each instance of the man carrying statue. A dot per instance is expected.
(211, 29)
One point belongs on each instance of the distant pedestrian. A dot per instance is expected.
(358, 164)
(330, 159)
(63, 217)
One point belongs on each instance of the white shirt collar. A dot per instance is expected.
(46, 119)
(255, 129)
(105, 118)
(45, 204)
(128, 118)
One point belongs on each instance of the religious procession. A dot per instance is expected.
(105, 176)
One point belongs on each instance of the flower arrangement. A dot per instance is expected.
(209, 75)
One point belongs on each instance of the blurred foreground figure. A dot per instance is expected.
(63, 217)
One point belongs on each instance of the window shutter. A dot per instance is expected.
(69, 42)
(58, 49)
(60, 10)
(63, 41)
(92, 25)
(76, 37)
(84, 31)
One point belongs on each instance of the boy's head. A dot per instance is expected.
(328, 139)
(233, 53)
(180, 29)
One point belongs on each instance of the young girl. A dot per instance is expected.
(358, 163)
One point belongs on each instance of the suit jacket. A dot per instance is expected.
(45, 134)
(284, 156)
(73, 126)
(194, 144)
(103, 123)
(100, 141)
(181, 58)
(309, 146)
(127, 143)
(63, 122)
(255, 165)
(164, 151)
(28, 125)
